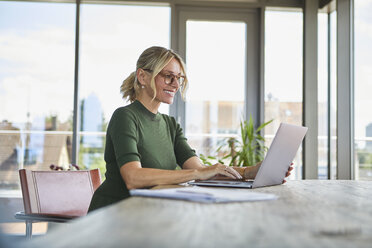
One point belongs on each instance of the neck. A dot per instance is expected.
(151, 105)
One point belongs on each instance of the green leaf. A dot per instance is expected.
(221, 162)
(246, 150)
(264, 125)
(226, 156)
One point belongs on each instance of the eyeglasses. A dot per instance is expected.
(170, 78)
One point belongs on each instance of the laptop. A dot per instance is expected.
(274, 167)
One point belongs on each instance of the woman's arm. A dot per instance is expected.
(137, 177)
(193, 163)
(209, 171)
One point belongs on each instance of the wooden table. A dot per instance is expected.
(309, 213)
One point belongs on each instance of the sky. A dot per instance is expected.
(216, 60)
(112, 39)
(283, 55)
(37, 56)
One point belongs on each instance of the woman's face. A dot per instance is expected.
(165, 92)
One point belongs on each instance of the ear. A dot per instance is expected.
(141, 76)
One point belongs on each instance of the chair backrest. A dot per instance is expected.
(58, 193)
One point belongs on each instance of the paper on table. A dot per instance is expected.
(206, 195)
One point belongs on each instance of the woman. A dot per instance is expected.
(144, 147)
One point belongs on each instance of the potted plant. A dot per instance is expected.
(246, 150)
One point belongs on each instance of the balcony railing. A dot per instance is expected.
(15, 140)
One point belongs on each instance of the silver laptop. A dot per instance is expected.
(274, 167)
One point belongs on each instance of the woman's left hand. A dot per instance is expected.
(251, 171)
(288, 172)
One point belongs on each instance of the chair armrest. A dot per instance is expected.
(42, 217)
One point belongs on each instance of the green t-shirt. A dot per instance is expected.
(136, 134)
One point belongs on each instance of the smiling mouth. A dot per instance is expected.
(169, 92)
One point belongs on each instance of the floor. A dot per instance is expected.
(19, 228)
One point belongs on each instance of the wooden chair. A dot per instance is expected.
(56, 196)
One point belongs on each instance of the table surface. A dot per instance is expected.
(308, 213)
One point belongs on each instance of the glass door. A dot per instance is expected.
(218, 48)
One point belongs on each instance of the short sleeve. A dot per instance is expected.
(124, 135)
(181, 148)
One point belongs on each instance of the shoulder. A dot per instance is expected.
(126, 110)
(123, 115)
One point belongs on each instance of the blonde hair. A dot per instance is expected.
(155, 59)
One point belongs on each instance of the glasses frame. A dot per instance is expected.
(170, 81)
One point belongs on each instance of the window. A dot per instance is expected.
(112, 39)
(36, 87)
(216, 71)
(363, 89)
(333, 99)
(327, 95)
(323, 96)
(283, 74)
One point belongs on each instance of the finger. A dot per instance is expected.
(233, 173)
(226, 173)
(229, 172)
(287, 174)
(220, 176)
(290, 168)
(284, 181)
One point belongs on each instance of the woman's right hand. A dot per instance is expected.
(217, 169)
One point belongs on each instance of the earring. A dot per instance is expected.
(142, 86)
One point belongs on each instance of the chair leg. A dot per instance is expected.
(28, 229)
